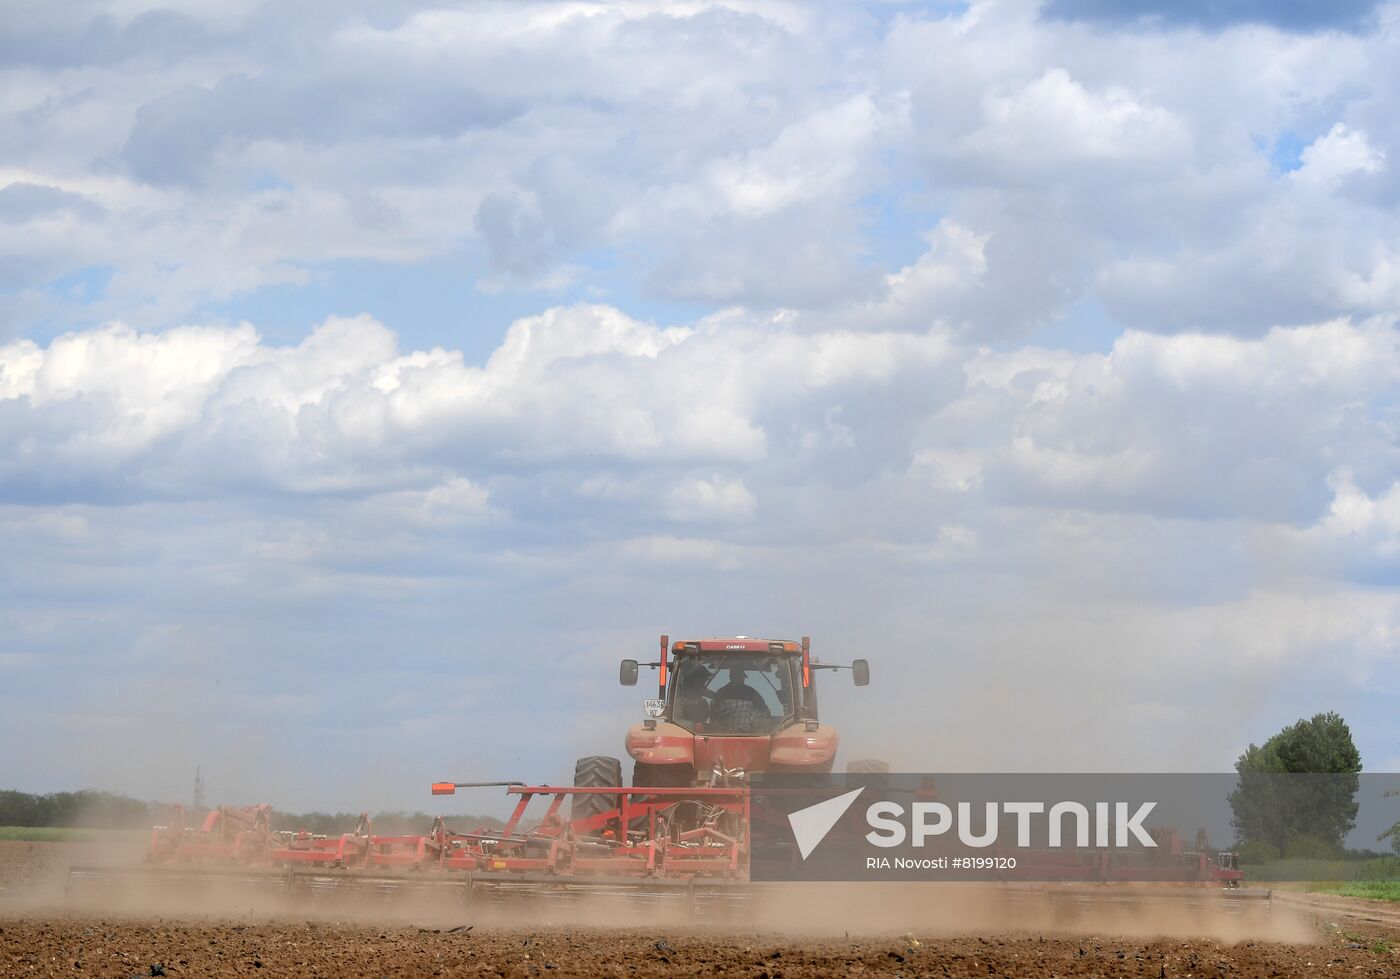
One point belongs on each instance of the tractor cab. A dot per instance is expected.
(733, 693)
(729, 707)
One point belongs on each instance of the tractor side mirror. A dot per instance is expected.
(860, 672)
(627, 675)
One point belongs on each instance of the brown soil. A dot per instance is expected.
(39, 936)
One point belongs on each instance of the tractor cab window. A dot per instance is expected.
(732, 693)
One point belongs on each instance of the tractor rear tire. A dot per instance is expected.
(867, 766)
(596, 772)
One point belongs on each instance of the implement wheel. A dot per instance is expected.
(596, 772)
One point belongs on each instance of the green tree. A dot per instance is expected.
(1302, 782)
(1392, 834)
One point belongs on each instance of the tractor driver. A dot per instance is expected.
(737, 689)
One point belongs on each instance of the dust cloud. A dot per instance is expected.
(111, 880)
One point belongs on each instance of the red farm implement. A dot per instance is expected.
(645, 832)
(685, 843)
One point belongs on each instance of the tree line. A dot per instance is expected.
(91, 809)
(87, 809)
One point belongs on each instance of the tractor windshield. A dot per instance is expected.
(732, 693)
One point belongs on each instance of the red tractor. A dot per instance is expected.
(724, 708)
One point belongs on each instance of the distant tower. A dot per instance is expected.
(198, 789)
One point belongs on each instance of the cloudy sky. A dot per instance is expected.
(373, 376)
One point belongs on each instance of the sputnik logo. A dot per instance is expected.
(810, 825)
